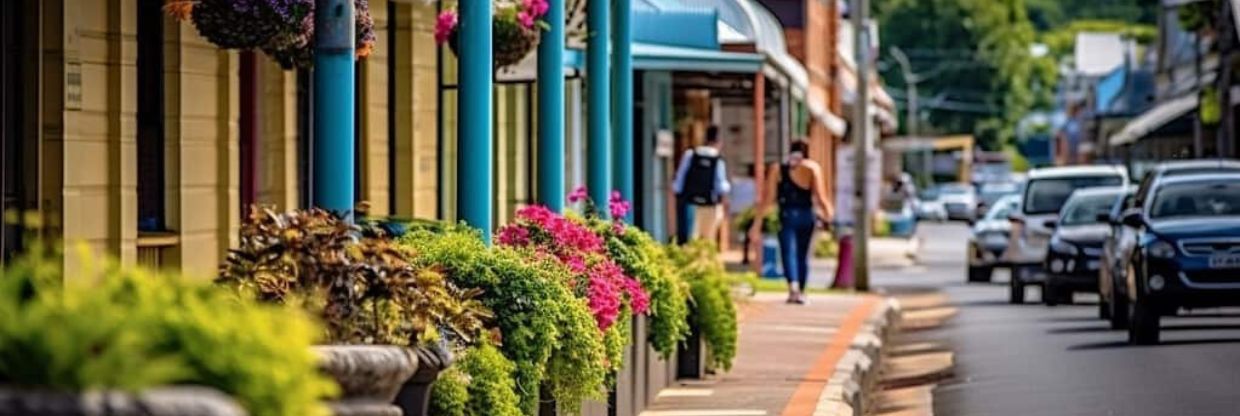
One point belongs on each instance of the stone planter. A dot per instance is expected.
(370, 376)
(169, 401)
(415, 395)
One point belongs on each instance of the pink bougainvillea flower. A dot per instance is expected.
(526, 18)
(619, 207)
(578, 195)
(444, 25)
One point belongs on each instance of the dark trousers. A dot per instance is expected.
(796, 229)
(684, 220)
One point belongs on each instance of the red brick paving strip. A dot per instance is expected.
(805, 399)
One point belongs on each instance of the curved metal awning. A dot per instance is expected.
(1151, 120)
(655, 57)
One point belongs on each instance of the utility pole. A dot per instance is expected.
(910, 91)
(861, 142)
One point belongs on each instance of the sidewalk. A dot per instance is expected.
(885, 253)
(786, 356)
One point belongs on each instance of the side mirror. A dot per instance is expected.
(1051, 224)
(1133, 218)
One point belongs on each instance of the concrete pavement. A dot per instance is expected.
(792, 360)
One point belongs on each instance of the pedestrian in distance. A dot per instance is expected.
(794, 186)
(700, 185)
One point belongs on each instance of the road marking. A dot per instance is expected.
(805, 399)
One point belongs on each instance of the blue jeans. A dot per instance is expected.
(796, 228)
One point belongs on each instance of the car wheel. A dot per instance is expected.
(1143, 323)
(1016, 288)
(980, 274)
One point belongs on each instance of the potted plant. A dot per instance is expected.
(712, 322)
(545, 328)
(122, 336)
(515, 29)
(284, 29)
(365, 290)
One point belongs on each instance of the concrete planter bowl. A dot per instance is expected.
(369, 376)
(168, 401)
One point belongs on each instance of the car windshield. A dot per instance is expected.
(928, 195)
(1082, 210)
(1047, 196)
(1001, 211)
(1206, 198)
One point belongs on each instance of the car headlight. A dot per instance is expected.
(1161, 250)
(1064, 247)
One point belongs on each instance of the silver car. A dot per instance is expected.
(988, 239)
(1043, 194)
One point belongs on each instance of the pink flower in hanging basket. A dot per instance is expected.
(445, 25)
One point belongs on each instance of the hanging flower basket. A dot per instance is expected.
(284, 29)
(515, 30)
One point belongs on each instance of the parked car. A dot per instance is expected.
(1113, 304)
(1116, 250)
(988, 239)
(1188, 250)
(1075, 251)
(930, 207)
(1044, 193)
(959, 199)
(991, 192)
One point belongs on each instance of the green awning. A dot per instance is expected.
(651, 57)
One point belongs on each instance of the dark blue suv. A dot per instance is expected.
(1187, 253)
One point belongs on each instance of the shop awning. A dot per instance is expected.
(653, 57)
(1151, 120)
(1161, 114)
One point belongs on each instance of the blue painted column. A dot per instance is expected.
(551, 109)
(473, 124)
(333, 106)
(622, 101)
(598, 94)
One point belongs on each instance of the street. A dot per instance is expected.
(1034, 360)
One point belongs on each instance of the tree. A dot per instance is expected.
(974, 52)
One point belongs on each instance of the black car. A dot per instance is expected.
(1116, 250)
(1075, 251)
(1188, 250)
(1119, 245)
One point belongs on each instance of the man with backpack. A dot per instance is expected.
(700, 184)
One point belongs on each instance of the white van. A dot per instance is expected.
(1042, 195)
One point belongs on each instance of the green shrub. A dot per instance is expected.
(547, 332)
(491, 389)
(714, 310)
(449, 393)
(113, 328)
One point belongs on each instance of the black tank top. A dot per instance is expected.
(790, 195)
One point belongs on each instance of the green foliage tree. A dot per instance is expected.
(975, 52)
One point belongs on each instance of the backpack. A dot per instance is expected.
(699, 186)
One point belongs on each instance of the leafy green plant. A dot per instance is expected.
(826, 247)
(491, 388)
(128, 329)
(545, 330)
(360, 280)
(713, 309)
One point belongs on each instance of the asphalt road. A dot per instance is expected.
(1034, 360)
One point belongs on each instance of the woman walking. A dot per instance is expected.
(794, 186)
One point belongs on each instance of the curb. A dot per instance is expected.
(856, 375)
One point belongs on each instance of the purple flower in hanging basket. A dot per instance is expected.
(295, 49)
